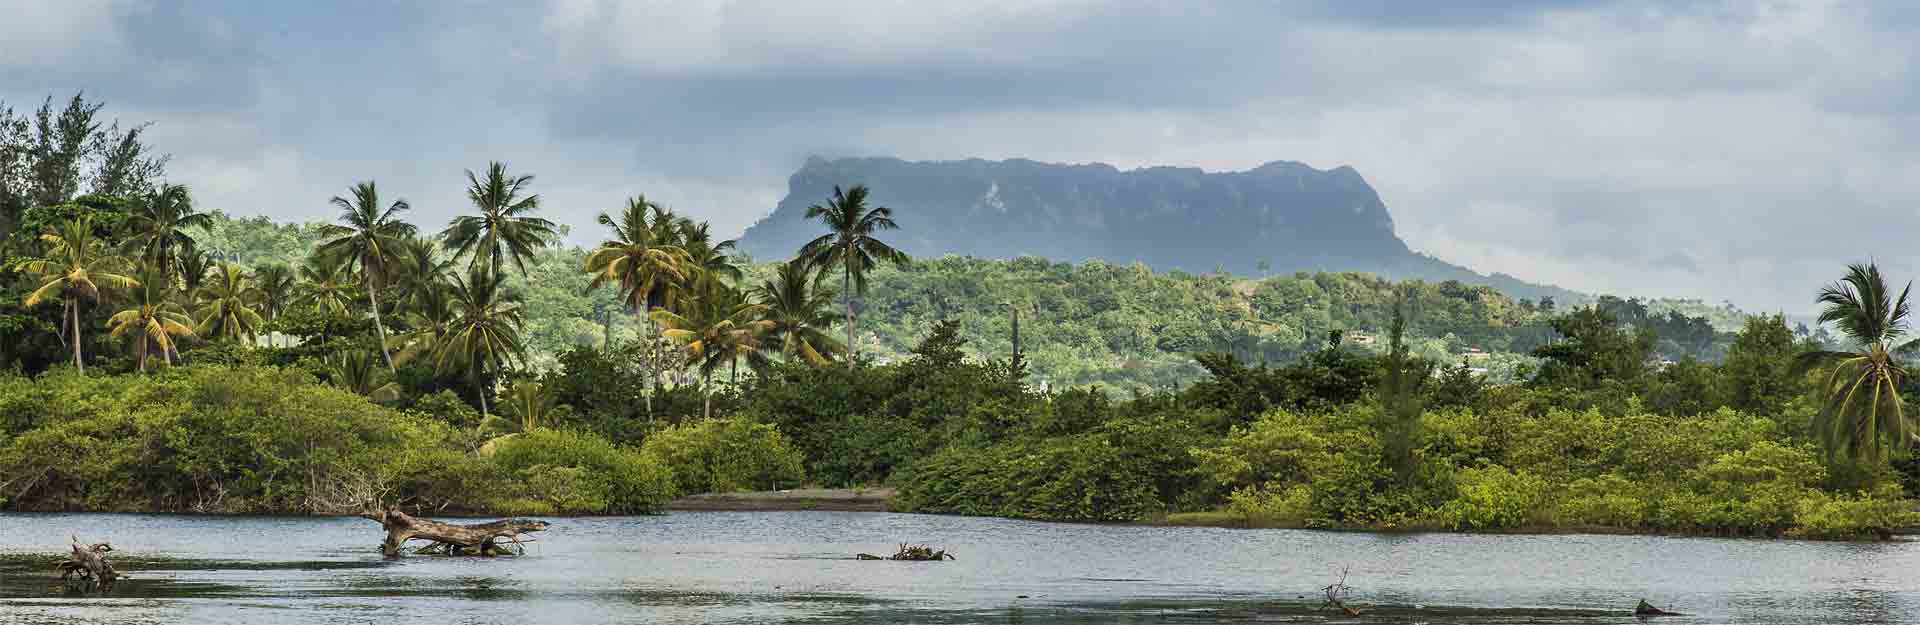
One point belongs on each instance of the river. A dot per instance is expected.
(778, 567)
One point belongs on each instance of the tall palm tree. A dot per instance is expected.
(798, 315)
(640, 262)
(76, 266)
(159, 225)
(153, 318)
(421, 272)
(849, 247)
(276, 284)
(504, 229)
(1860, 412)
(371, 236)
(326, 284)
(227, 306)
(484, 337)
(430, 315)
(714, 332)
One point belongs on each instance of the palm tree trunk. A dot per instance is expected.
(846, 290)
(606, 341)
(653, 381)
(373, 297)
(74, 313)
(706, 384)
(143, 354)
(480, 391)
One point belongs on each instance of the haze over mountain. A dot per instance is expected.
(1284, 215)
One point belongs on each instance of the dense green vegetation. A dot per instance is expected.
(166, 358)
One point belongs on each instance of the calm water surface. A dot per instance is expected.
(780, 567)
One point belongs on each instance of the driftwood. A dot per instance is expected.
(1647, 609)
(1336, 595)
(914, 553)
(480, 539)
(89, 562)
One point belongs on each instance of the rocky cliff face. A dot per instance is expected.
(1290, 215)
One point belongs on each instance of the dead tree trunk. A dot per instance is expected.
(91, 565)
(481, 539)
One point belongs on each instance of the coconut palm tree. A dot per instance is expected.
(159, 224)
(430, 314)
(226, 308)
(152, 317)
(421, 272)
(1860, 412)
(714, 332)
(194, 267)
(484, 337)
(371, 236)
(326, 284)
(356, 372)
(76, 266)
(276, 284)
(532, 402)
(849, 246)
(640, 262)
(504, 229)
(798, 314)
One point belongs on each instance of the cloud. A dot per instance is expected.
(1586, 144)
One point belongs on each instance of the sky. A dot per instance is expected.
(1741, 151)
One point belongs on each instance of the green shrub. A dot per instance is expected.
(724, 455)
(1874, 515)
(1494, 498)
(615, 481)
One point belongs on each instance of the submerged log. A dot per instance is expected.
(89, 562)
(914, 553)
(479, 539)
(1647, 609)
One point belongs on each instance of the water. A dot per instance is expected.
(779, 567)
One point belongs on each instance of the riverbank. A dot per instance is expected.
(826, 499)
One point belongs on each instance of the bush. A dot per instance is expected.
(724, 455)
(1494, 498)
(602, 477)
(1077, 478)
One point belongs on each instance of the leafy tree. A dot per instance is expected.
(226, 306)
(505, 227)
(1595, 348)
(850, 247)
(160, 223)
(484, 337)
(1860, 409)
(370, 236)
(1400, 405)
(1759, 369)
(77, 266)
(152, 317)
(798, 314)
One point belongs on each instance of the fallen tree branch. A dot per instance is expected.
(479, 539)
(89, 562)
(1336, 593)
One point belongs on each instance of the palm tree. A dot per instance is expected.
(798, 315)
(326, 284)
(532, 402)
(1860, 411)
(637, 259)
(421, 272)
(159, 225)
(430, 315)
(276, 285)
(226, 306)
(484, 337)
(194, 267)
(850, 247)
(152, 318)
(76, 266)
(371, 236)
(504, 228)
(356, 372)
(714, 331)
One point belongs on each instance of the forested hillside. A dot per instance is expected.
(1123, 327)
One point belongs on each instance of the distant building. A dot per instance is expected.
(1361, 338)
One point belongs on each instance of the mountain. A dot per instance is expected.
(1287, 215)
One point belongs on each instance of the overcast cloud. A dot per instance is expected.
(1740, 151)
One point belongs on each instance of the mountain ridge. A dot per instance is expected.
(1281, 216)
